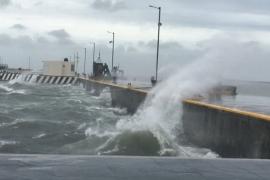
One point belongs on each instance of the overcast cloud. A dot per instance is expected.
(18, 27)
(191, 29)
(4, 3)
(61, 34)
(109, 5)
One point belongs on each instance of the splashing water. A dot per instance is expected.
(5, 88)
(161, 113)
(33, 79)
(21, 79)
(18, 80)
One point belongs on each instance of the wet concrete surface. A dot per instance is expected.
(55, 167)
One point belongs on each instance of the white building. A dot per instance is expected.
(59, 68)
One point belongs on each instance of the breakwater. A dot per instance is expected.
(7, 76)
(231, 133)
(122, 96)
(37, 78)
(46, 79)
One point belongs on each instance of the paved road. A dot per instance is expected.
(53, 167)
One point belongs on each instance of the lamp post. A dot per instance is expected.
(84, 63)
(77, 62)
(112, 47)
(159, 25)
(29, 61)
(94, 54)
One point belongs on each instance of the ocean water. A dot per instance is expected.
(54, 119)
(47, 119)
(251, 96)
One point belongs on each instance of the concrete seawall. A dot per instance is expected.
(38, 78)
(229, 132)
(122, 96)
(7, 76)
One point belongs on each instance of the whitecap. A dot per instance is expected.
(95, 132)
(91, 108)
(82, 126)
(119, 111)
(6, 88)
(75, 101)
(7, 142)
(39, 136)
(17, 92)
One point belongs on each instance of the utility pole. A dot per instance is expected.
(77, 62)
(112, 47)
(159, 25)
(84, 63)
(29, 65)
(113, 51)
(94, 55)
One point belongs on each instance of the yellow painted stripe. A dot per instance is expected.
(108, 83)
(259, 116)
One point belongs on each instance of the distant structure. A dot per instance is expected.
(100, 69)
(59, 68)
(3, 67)
(56, 72)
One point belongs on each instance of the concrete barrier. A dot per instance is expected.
(8, 76)
(123, 96)
(230, 132)
(41, 79)
(57, 80)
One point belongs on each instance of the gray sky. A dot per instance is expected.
(192, 29)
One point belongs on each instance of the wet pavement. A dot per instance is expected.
(55, 167)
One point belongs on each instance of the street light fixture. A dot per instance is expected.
(112, 47)
(159, 25)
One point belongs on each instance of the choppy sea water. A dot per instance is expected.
(47, 119)
(53, 119)
(251, 96)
